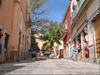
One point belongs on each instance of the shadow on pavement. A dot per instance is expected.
(7, 68)
(41, 59)
(33, 60)
(11, 68)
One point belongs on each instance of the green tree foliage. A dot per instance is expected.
(33, 41)
(38, 8)
(50, 29)
(52, 34)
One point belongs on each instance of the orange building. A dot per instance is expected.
(15, 25)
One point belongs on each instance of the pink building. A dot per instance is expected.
(15, 25)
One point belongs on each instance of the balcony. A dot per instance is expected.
(27, 20)
(18, 1)
(64, 32)
(80, 3)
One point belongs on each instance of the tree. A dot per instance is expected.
(40, 24)
(33, 41)
(52, 34)
(39, 8)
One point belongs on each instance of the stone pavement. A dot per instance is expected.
(50, 66)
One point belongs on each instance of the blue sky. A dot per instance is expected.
(57, 9)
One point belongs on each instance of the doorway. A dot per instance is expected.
(61, 53)
(25, 48)
(19, 46)
(86, 42)
(78, 46)
(97, 35)
(6, 47)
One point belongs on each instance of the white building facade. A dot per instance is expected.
(85, 24)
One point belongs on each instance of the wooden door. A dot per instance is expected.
(61, 53)
(97, 35)
(6, 48)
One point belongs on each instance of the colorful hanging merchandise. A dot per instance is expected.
(86, 38)
(1, 34)
(79, 45)
(86, 45)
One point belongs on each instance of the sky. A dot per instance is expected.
(57, 9)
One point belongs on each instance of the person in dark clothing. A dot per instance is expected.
(30, 53)
(37, 53)
(0, 42)
(79, 47)
(37, 50)
(0, 48)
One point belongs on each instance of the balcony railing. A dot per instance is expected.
(64, 32)
(27, 20)
(80, 3)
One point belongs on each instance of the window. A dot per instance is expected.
(66, 24)
(0, 3)
(21, 20)
(74, 7)
(77, 0)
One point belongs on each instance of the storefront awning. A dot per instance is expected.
(79, 31)
(84, 25)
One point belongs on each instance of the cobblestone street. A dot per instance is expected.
(50, 66)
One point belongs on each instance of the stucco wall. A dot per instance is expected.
(18, 8)
(92, 8)
(24, 5)
(2, 13)
(15, 28)
(6, 14)
(90, 11)
(10, 21)
(90, 34)
(26, 31)
(67, 23)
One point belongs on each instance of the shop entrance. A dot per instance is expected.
(79, 55)
(97, 35)
(6, 47)
(86, 43)
(61, 53)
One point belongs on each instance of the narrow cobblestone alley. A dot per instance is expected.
(50, 66)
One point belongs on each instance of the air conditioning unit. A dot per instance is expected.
(18, 0)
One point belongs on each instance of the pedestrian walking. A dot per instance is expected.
(37, 53)
(74, 53)
(30, 53)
